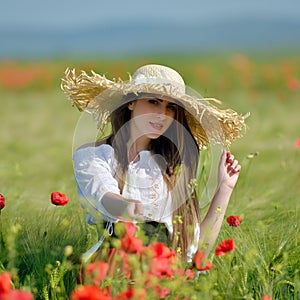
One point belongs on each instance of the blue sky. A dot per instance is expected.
(39, 28)
(76, 13)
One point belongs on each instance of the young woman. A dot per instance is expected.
(145, 168)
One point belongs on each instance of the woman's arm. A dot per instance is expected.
(122, 208)
(229, 170)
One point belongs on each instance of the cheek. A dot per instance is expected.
(171, 115)
(170, 121)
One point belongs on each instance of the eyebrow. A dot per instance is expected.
(161, 100)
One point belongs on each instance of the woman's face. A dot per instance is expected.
(151, 117)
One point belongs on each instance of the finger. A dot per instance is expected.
(139, 208)
(235, 170)
(131, 210)
(139, 216)
(223, 158)
(230, 158)
(238, 168)
(234, 164)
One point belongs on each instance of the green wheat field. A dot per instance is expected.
(37, 128)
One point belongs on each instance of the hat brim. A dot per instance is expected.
(100, 97)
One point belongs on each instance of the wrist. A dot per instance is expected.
(223, 187)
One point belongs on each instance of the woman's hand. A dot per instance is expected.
(134, 210)
(121, 208)
(229, 170)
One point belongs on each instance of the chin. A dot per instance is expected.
(153, 136)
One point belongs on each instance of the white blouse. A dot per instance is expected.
(95, 171)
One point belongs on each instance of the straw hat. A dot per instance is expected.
(100, 96)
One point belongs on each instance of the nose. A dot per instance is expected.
(162, 110)
(162, 113)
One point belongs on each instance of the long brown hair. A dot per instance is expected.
(181, 155)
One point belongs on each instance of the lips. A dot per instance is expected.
(156, 126)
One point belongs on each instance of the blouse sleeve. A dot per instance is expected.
(94, 170)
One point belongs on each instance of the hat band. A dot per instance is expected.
(176, 87)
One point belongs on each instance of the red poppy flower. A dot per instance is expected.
(131, 294)
(266, 297)
(5, 282)
(201, 263)
(224, 247)
(234, 220)
(161, 250)
(297, 144)
(132, 244)
(2, 201)
(59, 199)
(161, 292)
(190, 274)
(126, 271)
(293, 84)
(6, 291)
(130, 228)
(161, 266)
(90, 292)
(19, 295)
(97, 271)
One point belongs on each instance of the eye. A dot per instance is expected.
(172, 107)
(153, 101)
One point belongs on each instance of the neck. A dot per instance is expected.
(134, 147)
